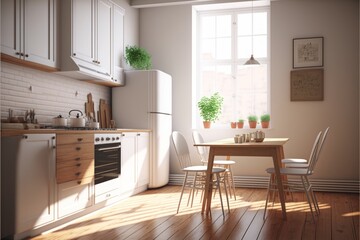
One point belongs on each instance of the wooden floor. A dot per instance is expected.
(152, 215)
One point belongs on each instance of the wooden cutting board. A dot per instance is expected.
(104, 114)
(89, 108)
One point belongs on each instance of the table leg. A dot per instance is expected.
(208, 186)
(277, 164)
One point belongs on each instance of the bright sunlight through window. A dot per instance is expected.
(225, 40)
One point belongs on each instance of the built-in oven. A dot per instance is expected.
(107, 165)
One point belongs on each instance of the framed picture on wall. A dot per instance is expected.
(307, 85)
(308, 52)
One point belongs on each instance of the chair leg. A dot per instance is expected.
(218, 186)
(267, 197)
(227, 196)
(232, 185)
(314, 199)
(193, 189)
(182, 191)
(308, 197)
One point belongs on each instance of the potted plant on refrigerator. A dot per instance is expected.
(137, 57)
(252, 119)
(265, 120)
(240, 123)
(210, 108)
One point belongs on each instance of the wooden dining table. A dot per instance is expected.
(270, 147)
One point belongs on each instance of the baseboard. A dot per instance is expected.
(324, 185)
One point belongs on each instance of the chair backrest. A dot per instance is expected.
(202, 151)
(313, 153)
(321, 144)
(181, 149)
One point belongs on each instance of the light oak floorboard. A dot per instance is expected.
(152, 215)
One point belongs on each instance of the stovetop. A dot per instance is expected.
(78, 128)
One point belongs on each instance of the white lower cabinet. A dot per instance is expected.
(28, 169)
(74, 196)
(134, 160)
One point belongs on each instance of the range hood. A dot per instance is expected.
(82, 70)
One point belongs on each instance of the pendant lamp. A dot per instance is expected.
(252, 60)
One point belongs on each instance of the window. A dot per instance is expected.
(224, 40)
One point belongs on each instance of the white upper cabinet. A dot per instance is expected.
(28, 30)
(118, 51)
(104, 35)
(83, 32)
(92, 40)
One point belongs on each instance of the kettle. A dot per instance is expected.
(259, 136)
(78, 120)
(59, 121)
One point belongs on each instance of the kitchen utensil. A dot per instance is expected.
(59, 121)
(78, 120)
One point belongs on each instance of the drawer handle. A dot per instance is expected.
(78, 165)
(80, 139)
(78, 148)
(79, 182)
(77, 159)
(78, 173)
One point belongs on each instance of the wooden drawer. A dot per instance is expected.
(74, 152)
(74, 138)
(75, 172)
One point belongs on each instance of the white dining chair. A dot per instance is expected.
(204, 155)
(303, 174)
(199, 172)
(301, 162)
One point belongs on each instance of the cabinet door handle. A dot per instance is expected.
(80, 139)
(21, 54)
(17, 53)
(25, 137)
(79, 182)
(77, 159)
(26, 55)
(78, 148)
(74, 54)
(138, 134)
(78, 165)
(78, 173)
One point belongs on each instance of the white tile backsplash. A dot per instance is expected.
(50, 93)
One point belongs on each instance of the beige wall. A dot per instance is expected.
(166, 33)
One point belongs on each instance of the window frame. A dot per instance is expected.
(233, 62)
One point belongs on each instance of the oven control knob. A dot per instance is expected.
(107, 139)
(117, 138)
(102, 139)
(97, 139)
(113, 138)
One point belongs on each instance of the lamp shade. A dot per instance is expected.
(252, 61)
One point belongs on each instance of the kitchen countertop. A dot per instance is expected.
(14, 132)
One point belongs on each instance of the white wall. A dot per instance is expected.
(166, 33)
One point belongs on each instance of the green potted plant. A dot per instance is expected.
(137, 57)
(252, 119)
(265, 119)
(240, 123)
(210, 108)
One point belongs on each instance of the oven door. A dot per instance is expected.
(107, 162)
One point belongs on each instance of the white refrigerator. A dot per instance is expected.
(145, 102)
